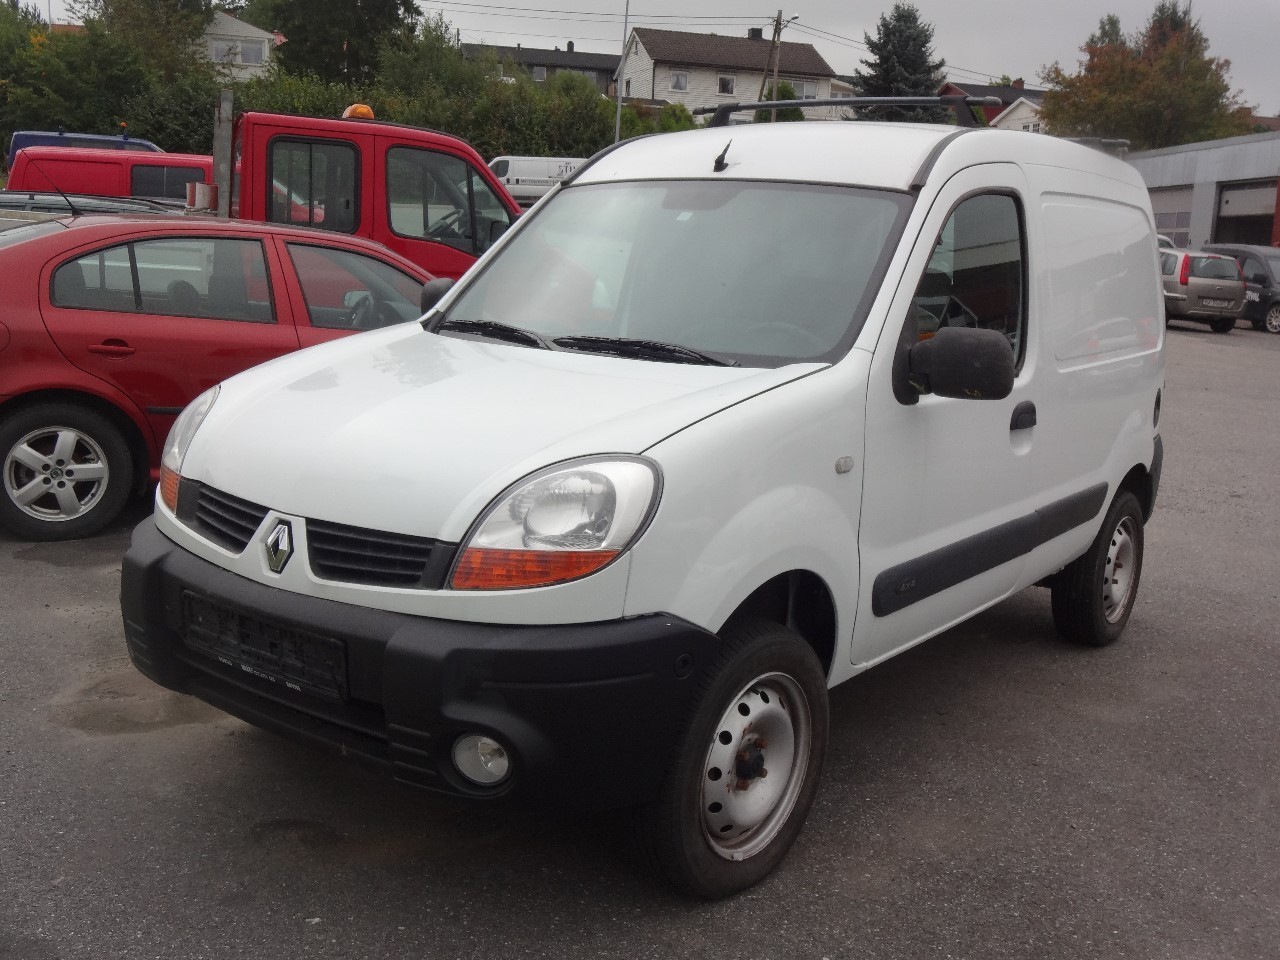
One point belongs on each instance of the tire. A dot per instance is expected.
(1223, 324)
(1272, 320)
(1094, 595)
(714, 831)
(67, 472)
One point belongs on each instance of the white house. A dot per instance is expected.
(707, 69)
(1022, 114)
(243, 49)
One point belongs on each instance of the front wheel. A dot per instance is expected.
(67, 472)
(747, 766)
(1093, 596)
(1272, 320)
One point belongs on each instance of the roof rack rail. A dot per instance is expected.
(1117, 148)
(966, 116)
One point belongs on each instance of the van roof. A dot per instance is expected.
(889, 156)
(88, 153)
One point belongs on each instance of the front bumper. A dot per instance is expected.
(590, 713)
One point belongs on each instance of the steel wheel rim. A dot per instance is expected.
(55, 474)
(1273, 319)
(741, 817)
(1120, 570)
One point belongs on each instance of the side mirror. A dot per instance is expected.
(964, 363)
(432, 291)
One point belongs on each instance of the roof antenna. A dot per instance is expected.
(721, 164)
(74, 211)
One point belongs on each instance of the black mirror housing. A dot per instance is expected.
(964, 363)
(433, 291)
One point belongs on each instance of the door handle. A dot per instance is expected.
(1024, 416)
(114, 349)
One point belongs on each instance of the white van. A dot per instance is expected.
(528, 179)
(733, 416)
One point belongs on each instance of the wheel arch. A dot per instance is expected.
(139, 446)
(800, 600)
(1141, 484)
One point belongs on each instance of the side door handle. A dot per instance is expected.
(1024, 416)
(114, 349)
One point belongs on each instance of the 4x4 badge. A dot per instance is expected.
(279, 544)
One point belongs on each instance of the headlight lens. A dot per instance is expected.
(558, 525)
(175, 447)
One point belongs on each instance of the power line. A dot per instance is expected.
(598, 13)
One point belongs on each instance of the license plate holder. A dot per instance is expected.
(297, 659)
(1211, 302)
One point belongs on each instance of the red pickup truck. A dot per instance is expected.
(426, 195)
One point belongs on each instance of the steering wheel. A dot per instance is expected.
(446, 224)
(363, 314)
(782, 330)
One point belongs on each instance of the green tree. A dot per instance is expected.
(334, 39)
(785, 92)
(902, 65)
(165, 33)
(1159, 87)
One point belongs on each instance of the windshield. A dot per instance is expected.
(757, 273)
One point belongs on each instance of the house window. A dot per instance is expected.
(627, 87)
(726, 86)
(805, 89)
(679, 80)
(251, 52)
(1033, 126)
(224, 51)
(539, 73)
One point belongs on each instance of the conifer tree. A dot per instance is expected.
(902, 65)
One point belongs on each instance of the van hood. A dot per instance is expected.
(415, 432)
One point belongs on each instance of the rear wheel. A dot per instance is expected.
(1093, 596)
(1272, 320)
(67, 472)
(1223, 324)
(747, 767)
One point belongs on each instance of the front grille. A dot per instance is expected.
(226, 520)
(375, 557)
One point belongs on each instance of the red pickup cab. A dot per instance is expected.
(424, 194)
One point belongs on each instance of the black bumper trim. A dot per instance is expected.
(591, 713)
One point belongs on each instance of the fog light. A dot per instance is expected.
(481, 759)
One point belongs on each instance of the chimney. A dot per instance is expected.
(755, 33)
(570, 46)
(1017, 84)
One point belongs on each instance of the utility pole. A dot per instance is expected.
(622, 65)
(773, 45)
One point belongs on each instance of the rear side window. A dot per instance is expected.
(168, 182)
(1254, 270)
(350, 291)
(976, 276)
(314, 183)
(203, 277)
(500, 168)
(1215, 268)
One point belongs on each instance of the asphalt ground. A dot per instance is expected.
(993, 793)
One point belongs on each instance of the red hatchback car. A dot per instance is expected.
(110, 325)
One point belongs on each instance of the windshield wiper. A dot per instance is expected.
(644, 349)
(496, 329)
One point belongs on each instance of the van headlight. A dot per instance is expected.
(175, 446)
(559, 524)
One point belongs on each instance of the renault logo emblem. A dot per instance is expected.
(279, 544)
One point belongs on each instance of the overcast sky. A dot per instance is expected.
(979, 39)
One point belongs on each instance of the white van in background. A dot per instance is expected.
(528, 178)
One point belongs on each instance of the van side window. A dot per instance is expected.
(1254, 271)
(976, 275)
(438, 197)
(170, 183)
(313, 183)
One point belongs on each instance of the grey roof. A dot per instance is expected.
(533, 57)
(1007, 94)
(731, 53)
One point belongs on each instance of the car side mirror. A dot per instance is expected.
(432, 291)
(964, 363)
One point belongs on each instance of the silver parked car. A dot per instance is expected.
(1204, 287)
